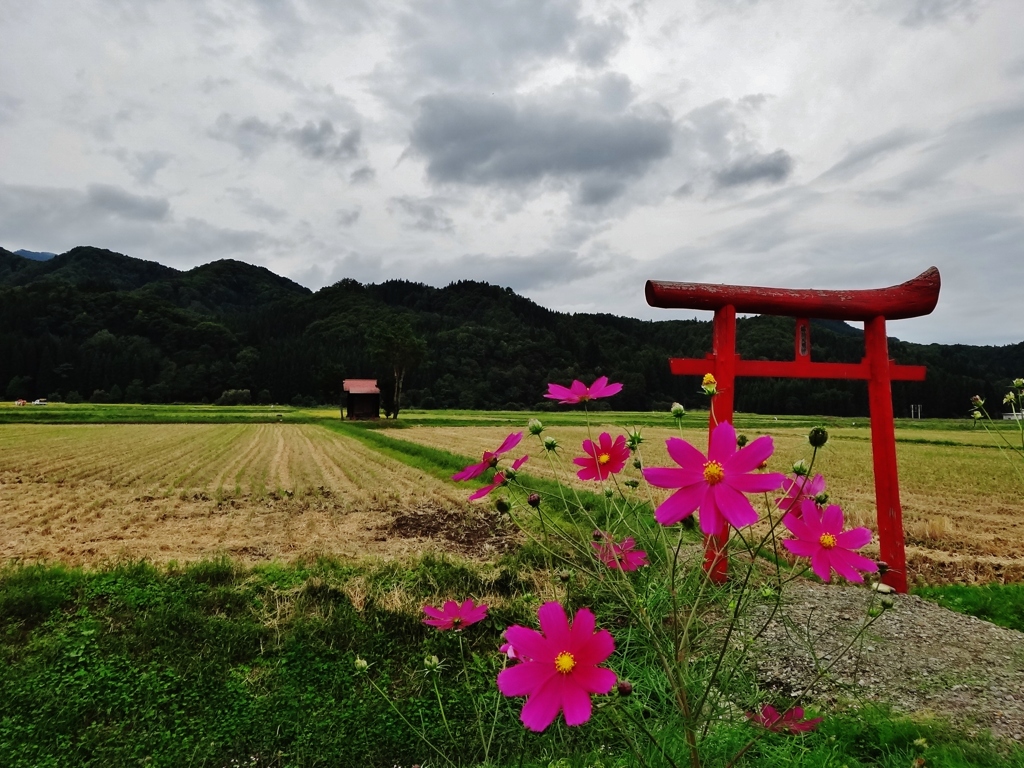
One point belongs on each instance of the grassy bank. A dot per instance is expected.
(216, 665)
(1001, 604)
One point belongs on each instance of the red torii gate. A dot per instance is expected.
(911, 299)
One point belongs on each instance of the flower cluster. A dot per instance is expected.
(559, 667)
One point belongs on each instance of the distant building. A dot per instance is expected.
(1014, 416)
(363, 398)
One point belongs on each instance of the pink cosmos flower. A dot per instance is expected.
(791, 722)
(623, 557)
(604, 459)
(497, 480)
(559, 669)
(490, 458)
(453, 615)
(715, 483)
(579, 392)
(511, 652)
(797, 488)
(820, 536)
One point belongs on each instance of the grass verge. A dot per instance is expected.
(1001, 604)
(217, 665)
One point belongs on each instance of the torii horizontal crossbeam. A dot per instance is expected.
(913, 298)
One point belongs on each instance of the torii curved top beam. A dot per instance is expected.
(913, 298)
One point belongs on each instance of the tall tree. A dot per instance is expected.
(394, 345)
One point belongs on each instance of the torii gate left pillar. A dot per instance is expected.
(911, 299)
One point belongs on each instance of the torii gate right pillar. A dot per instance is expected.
(883, 454)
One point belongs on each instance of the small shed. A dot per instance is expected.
(363, 400)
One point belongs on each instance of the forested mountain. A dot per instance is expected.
(98, 325)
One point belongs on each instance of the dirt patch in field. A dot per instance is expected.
(469, 530)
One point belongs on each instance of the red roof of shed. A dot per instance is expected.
(361, 386)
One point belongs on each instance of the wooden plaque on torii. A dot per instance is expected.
(913, 298)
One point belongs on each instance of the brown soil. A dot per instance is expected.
(90, 494)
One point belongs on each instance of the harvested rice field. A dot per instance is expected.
(94, 493)
(963, 503)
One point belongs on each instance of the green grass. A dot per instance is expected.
(1001, 604)
(217, 665)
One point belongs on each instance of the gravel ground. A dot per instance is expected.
(917, 656)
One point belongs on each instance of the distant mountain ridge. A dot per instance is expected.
(35, 255)
(97, 324)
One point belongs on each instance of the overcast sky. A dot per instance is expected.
(569, 150)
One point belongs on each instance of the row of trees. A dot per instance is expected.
(182, 337)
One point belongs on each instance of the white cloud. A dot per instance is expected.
(569, 149)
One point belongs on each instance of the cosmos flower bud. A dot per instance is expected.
(818, 437)
(883, 567)
(801, 468)
(430, 663)
(821, 499)
(631, 483)
(1018, 383)
(608, 492)
(535, 426)
(502, 505)
(624, 688)
(550, 444)
(741, 440)
(633, 439)
(565, 576)
(976, 415)
(361, 664)
(708, 385)
(637, 464)
(977, 400)
(887, 603)
(533, 500)
(677, 411)
(1011, 397)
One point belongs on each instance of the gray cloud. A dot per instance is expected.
(597, 41)
(477, 42)
(421, 214)
(964, 141)
(115, 201)
(56, 220)
(868, 153)
(718, 150)
(362, 175)
(9, 106)
(316, 141)
(143, 166)
(471, 139)
(251, 136)
(346, 217)
(773, 168)
(256, 207)
(322, 142)
(921, 13)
